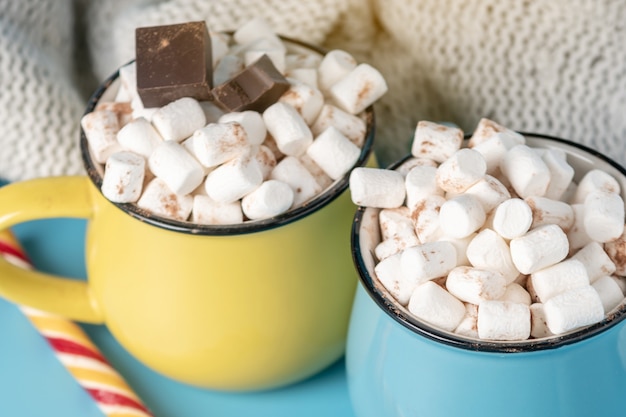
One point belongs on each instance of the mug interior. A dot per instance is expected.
(95, 171)
(366, 235)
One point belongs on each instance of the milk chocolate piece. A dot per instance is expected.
(173, 61)
(256, 87)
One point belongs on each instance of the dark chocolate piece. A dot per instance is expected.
(256, 87)
(173, 61)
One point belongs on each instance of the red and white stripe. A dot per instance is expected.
(78, 354)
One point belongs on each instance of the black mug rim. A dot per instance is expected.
(419, 327)
(325, 198)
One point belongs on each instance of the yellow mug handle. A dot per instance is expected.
(38, 199)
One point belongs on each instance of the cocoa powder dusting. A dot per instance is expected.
(365, 92)
(617, 253)
(170, 205)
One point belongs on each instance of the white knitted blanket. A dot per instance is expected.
(547, 66)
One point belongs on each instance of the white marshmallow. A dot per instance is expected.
(157, 198)
(234, 179)
(435, 141)
(468, 326)
(217, 143)
(596, 261)
(335, 65)
(374, 187)
(538, 325)
(494, 148)
(490, 192)
(121, 109)
(461, 216)
(140, 111)
(290, 131)
(413, 162)
(488, 129)
(474, 285)
(395, 245)
(334, 153)
(252, 123)
(270, 199)
(549, 211)
(539, 248)
(577, 234)
(573, 309)
(171, 162)
(139, 136)
(101, 129)
(420, 183)
(318, 173)
(219, 46)
(595, 180)
(303, 60)
(253, 29)
(427, 261)
(463, 169)
(399, 286)
(179, 119)
(395, 222)
(128, 83)
(526, 171)
(621, 282)
(397, 232)
(603, 215)
(436, 306)
(353, 127)
(266, 160)
(291, 171)
(308, 101)
(226, 68)
(461, 246)
(529, 287)
(561, 174)
(426, 218)
(488, 250)
(512, 218)
(307, 76)
(360, 88)
(123, 177)
(208, 211)
(559, 278)
(503, 320)
(570, 192)
(609, 291)
(516, 294)
(616, 250)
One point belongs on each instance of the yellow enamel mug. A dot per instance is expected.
(243, 307)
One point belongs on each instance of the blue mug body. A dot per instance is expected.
(400, 366)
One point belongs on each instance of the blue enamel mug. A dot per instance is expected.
(398, 365)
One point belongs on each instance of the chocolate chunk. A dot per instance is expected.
(256, 87)
(173, 61)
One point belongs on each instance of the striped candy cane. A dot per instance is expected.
(77, 352)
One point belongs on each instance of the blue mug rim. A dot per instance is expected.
(390, 307)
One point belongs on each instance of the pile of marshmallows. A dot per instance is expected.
(191, 161)
(495, 240)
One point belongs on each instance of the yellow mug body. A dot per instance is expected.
(242, 311)
(234, 312)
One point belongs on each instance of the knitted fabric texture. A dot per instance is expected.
(39, 104)
(556, 67)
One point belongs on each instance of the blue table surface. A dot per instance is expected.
(33, 383)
